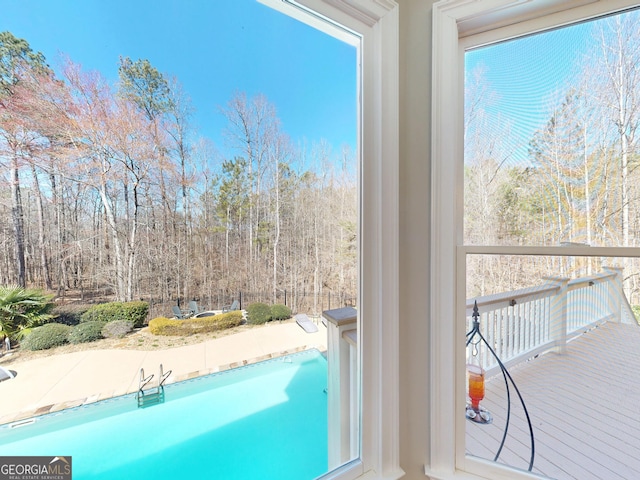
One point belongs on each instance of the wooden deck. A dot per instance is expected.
(584, 406)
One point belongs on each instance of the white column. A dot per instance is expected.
(616, 293)
(342, 385)
(558, 314)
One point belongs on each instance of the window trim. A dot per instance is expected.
(376, 21)
(457, 24)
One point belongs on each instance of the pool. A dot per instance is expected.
(262, 421)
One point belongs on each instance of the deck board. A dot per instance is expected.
(584, 406)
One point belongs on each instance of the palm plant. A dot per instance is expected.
(22, 309)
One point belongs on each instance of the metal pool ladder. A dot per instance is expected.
(154, 395)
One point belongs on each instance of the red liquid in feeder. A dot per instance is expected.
(476, 385)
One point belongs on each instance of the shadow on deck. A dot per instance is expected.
(584, 406)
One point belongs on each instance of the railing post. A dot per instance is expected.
(616, 293)
(342, 390)
(558, 314)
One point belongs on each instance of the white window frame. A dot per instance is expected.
(457, 25)
(375, 22)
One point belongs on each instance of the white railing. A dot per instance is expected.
(524, 323)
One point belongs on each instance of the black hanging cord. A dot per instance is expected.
(475, 330)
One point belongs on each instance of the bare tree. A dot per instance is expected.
(17, 60)
(115, 150)
(619, 62)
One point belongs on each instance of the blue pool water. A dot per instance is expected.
(263, 421)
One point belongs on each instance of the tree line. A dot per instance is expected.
(580, 182)
(111, 190)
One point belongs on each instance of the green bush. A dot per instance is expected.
(69, 314)
(116, 329)
(213, 323)
(86, 332)
(258, 313)
(636, 312)
(133, 312)
(280, 312)
(103, 312)
(47, 336)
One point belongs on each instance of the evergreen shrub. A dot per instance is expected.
(134, 312)
(258, 313)
(164, 326)
(47, 336)
(116, 329)
(280, 312)
(86, 332)
(103, 312)
(227, 320)
(190, 326)
(69, 314)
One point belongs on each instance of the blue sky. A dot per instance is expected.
(527, 75)
(214, 47)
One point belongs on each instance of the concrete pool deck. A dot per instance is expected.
(55, 382)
